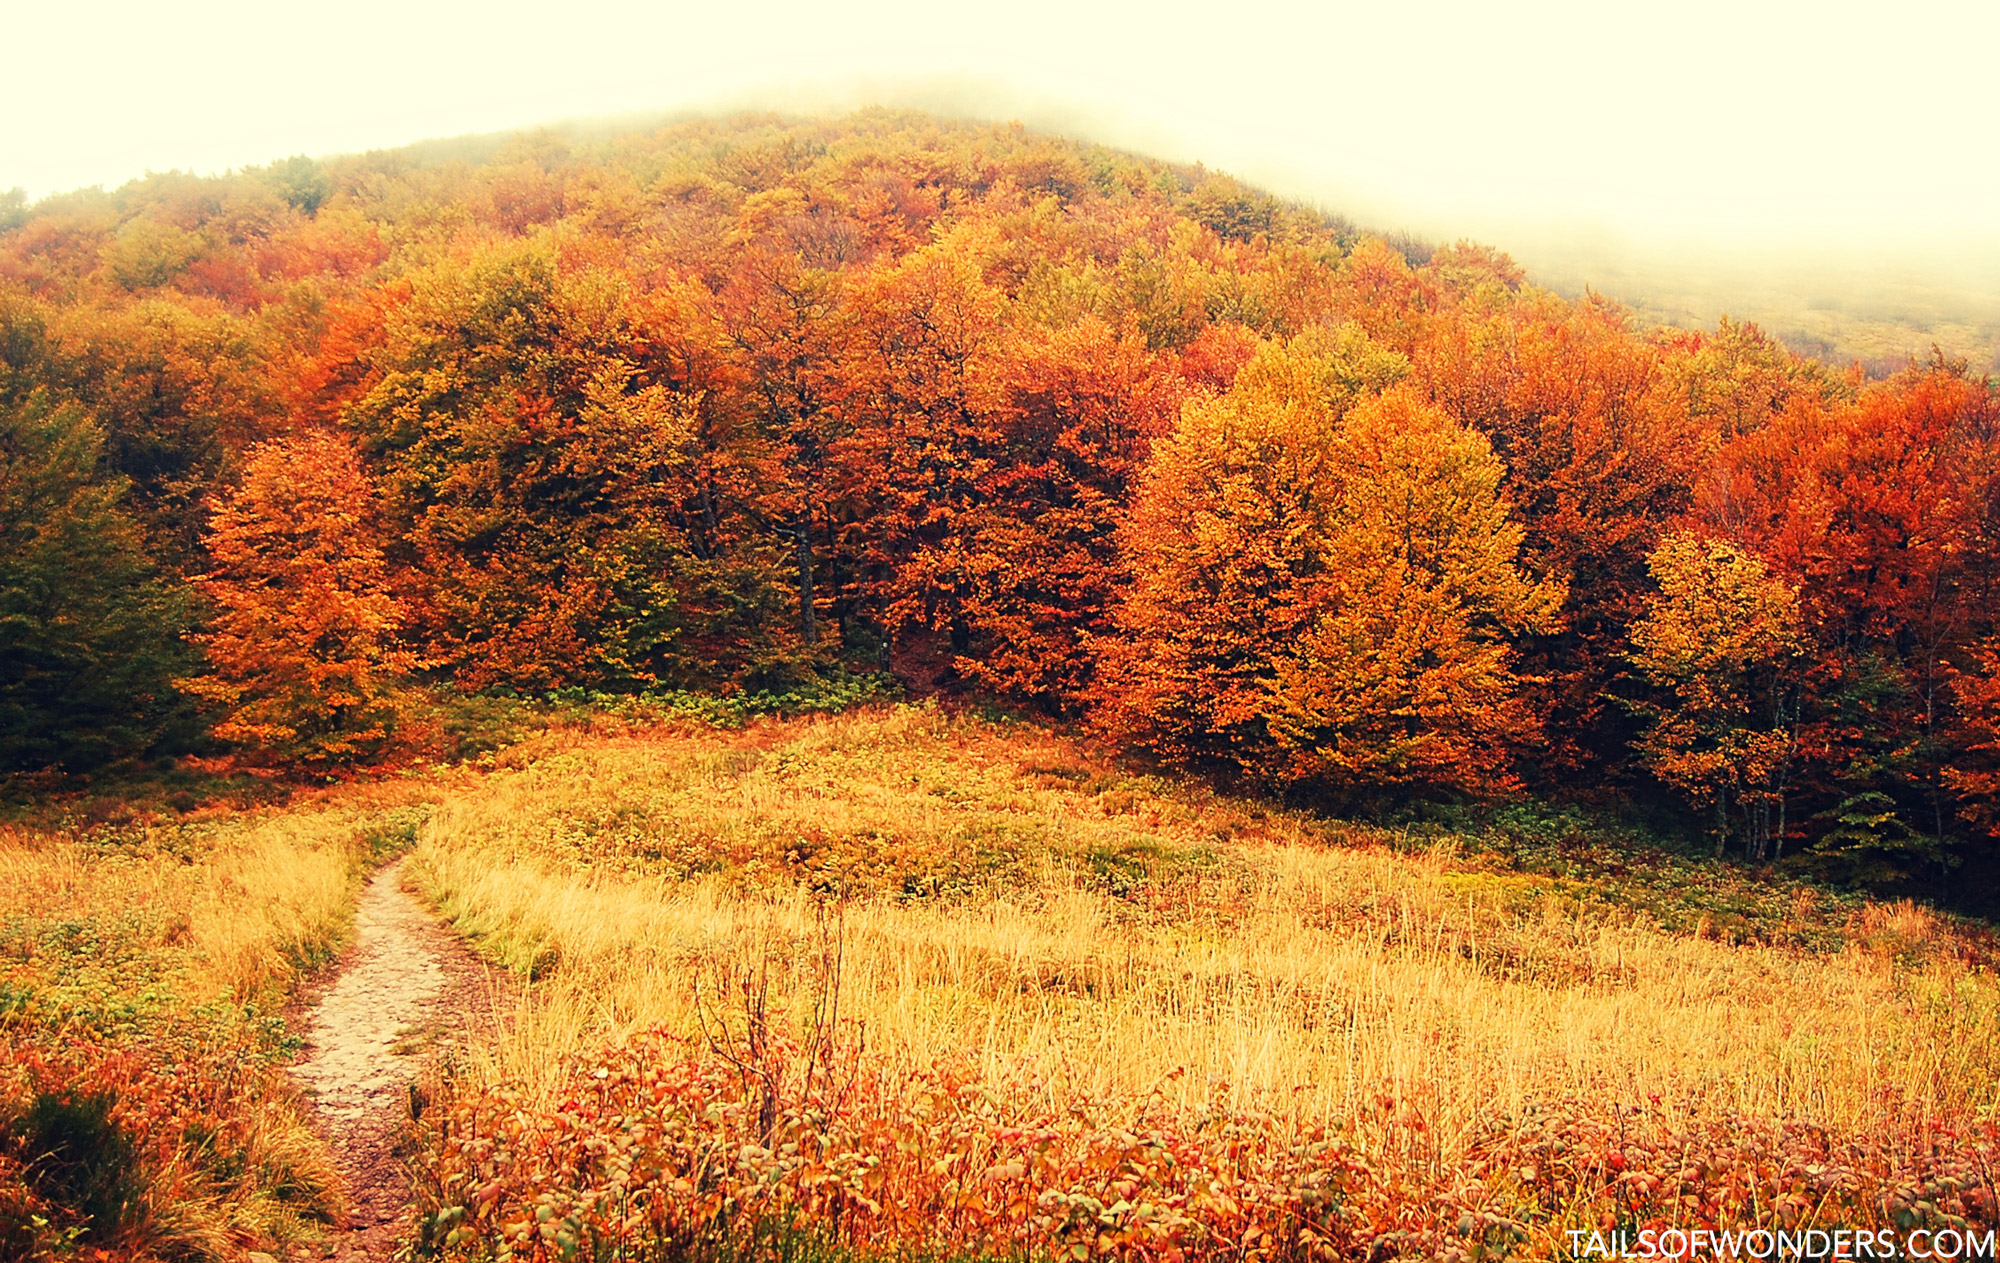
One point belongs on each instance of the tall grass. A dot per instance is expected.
(1001, 897)
(144, 1109)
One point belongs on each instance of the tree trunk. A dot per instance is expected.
(808, 627)
(706, 548)
(1721, 820)
(836, 582)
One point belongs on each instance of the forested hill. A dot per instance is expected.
(743, 405)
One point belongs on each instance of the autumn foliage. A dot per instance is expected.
(1325, 586)
(302, 646)
(656, 1151)
(1720, 640)
(733, 406)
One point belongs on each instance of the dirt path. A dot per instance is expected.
(405, 989)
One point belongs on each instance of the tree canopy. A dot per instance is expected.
(734, 404)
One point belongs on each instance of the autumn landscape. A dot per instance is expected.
(955, 693)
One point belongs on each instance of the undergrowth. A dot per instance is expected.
(1234, 1030)
(145, 962)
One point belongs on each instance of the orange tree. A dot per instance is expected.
(1325, 585)
(1884, 511)
(301, 647)
(1600, 456)
(1975, 777)
(779, 305)
(1080, 405)
(989, 458)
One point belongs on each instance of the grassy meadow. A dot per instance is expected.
(904, 984)
(912, 985)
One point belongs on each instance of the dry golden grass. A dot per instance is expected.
(231, 910)
(1009, 900)
(146, 967)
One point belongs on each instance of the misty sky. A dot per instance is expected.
(1865, 129)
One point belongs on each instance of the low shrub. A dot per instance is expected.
(670, 1149)
(174, 1144)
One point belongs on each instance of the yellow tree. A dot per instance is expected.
(1716, 641)
(1324, 590)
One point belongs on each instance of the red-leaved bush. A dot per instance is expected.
(666, 1149)
(172, 1143)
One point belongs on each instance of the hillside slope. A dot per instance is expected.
(904, 942)
(899, 982)
(762, 405)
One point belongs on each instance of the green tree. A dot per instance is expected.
(301, 182)
(89, 632)
(542, 458)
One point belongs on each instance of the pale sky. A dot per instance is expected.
(1861, 132)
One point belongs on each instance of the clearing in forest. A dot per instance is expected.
(903, 984)
(899, 981)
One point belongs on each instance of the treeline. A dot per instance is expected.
(738, 406)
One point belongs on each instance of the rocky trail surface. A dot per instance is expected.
(407, 990)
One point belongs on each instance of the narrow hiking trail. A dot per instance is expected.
(407, 988)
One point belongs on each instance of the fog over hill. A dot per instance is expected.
(1842, 278)
(1812, 170)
